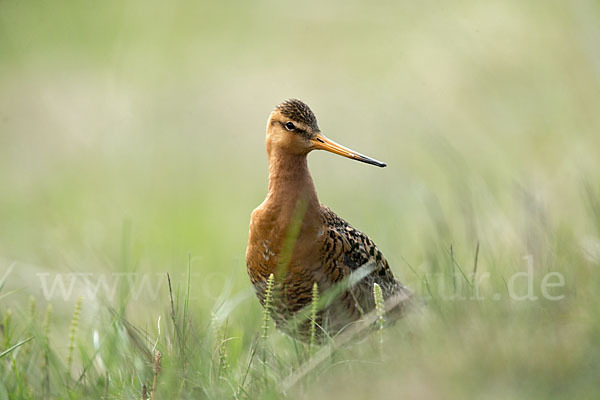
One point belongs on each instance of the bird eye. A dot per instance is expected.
(289, 126)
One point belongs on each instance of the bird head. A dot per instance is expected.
(292, 127)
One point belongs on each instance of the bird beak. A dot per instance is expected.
(320, 142)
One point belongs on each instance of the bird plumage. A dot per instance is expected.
(296, 110)
(303, 242)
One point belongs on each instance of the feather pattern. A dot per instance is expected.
(341, 250)
(324, 249)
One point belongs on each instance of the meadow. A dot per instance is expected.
(132, 154)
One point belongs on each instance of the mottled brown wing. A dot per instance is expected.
(346, 249)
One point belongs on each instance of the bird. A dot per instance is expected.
(304, 246)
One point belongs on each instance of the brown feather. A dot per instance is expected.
(327, 249)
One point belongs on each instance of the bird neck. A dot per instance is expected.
(290, 184)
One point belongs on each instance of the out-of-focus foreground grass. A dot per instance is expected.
(131, 135)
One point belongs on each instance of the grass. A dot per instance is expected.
(132, 153)
(464, 338)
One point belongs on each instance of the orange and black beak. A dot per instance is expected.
(320, 142)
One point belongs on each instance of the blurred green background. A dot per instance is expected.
(132, 133)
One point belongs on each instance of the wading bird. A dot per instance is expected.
(302, 242)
